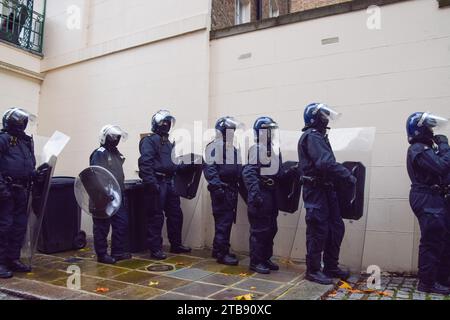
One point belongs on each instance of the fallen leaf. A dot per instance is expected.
(252, 288)
(30, 274)
(244, 297)
(244, 274)
(152, 284)
(384, 294)
(344, 285)
(332, 294)
(102, 290)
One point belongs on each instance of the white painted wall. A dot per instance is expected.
(376, 78)
(17, 89)
(102, 73)
(130, 59)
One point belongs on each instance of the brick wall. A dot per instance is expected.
(301, 5)
(223, 11)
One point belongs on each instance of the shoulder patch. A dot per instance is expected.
(101, 149)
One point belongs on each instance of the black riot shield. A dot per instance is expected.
(351, 198)
(187, 179)
(289, 189)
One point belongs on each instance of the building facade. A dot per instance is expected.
(228, 13)
(110, 61)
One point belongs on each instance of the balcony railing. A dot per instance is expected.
(21, 25)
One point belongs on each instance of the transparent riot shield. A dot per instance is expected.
(355, 145)
(47, 152)
(98, 193)
(352, 147)
(289, 220)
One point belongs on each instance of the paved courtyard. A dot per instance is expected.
(190, 277)
(180, 277)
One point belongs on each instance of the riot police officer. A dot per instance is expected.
(260, 176)
(427, 167)
(222, 169)
(17, 169)
(157, 170)
(109, 157)
(320, 171)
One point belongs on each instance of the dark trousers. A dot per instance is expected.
(119, 237)
(325, 228)
(13, 225)
(434, 249)
(263, 227)
(168, 203)
(224, 211)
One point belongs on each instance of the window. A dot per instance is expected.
(274, 10)
(243, 11)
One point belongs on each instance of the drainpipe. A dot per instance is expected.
(259, 10)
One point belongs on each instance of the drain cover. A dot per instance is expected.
(73, 260)
(160, 268)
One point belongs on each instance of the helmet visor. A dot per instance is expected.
(327, 112)
(17, 117)
(432, 121)
(164, 116)
(115, 132)
(232, 124)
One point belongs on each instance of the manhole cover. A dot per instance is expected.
(160, 268)
(73, 260)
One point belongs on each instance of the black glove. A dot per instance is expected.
(258, 201)
(219, 195)
(153, 188)
(440, 139)
(352, 180)
(4, 191)
(41, 173)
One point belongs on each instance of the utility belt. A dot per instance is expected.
(22, 183)
(436, 189)
(443, 190)
(163, 176)
(315, 182)
(267, 183)
(232, 186)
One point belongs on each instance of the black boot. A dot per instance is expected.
(318, 277)
(123, 256)
(5, 273)
(259, 268)
(444, 282)
(180, 249)
(215, 254)
(227, 260)
(436, 288)
(158, 255)
(18, 266)
(337, 273)
(106, 259)
(272, 266)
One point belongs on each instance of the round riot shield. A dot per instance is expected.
(98, 193)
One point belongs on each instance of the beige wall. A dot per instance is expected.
(19, 80)
(130, 59)
(376, 78)
(102, 74)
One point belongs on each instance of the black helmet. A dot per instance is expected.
(162, 122)
(15, 120)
